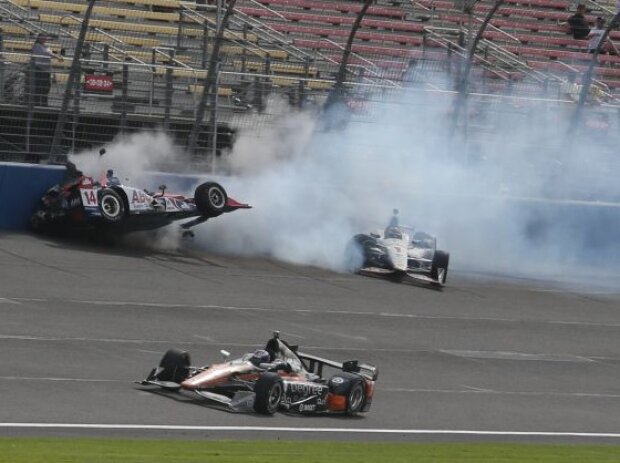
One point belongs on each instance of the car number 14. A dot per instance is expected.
(88, 197)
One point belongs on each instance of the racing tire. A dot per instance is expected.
(350, 386)
(355, 398)
(210, 199)
(439, 267)
(355, 252)
(354, 256)
(37, 224)
(175, 366)
(111, 206)
(269, 390)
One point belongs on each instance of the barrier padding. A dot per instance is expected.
(21, 187)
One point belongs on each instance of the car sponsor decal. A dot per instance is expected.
(307, 407)
(138, 197)
(305, 388)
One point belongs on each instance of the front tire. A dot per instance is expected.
(354, 256)
(439, 267)
(351, 387)
(269, 391)
(355, 253)
(210, 198)
(111, 206)
(355, 399)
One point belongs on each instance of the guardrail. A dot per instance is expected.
(21, 187)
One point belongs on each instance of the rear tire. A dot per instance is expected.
(269, 391)
(439, 267)
(36, 223)
(111, 206)
(210, 199)
(175, 364)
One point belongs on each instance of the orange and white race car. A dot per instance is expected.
(276, 377)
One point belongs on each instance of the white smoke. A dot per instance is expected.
(128, 155)
(312, 189)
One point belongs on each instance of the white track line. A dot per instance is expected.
(333, 311)
(165, 427)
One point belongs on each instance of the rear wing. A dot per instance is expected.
(315, 365)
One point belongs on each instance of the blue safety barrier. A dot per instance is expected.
(21, 187)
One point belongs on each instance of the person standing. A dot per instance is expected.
(41, 61)
(595, 36)
(578, 23)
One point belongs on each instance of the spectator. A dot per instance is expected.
(578, 23)
(41, 62)
(595, 36)
(570, 88)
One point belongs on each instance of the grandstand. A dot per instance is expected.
(155, 55)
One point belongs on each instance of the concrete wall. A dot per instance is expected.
(21, 187)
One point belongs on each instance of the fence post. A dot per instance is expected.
(106, 56)
(210, 79)
(302, 93)
(337, 92)
(168, 99)
(463, 80)
(73, 76)
(214, 121)
(1, 69)
(76, 114)
(29, 116)
(205, 43)
(123, 119)
(180, 28)
(587, 77)
(153, 78)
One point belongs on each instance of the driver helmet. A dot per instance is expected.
(111, 179)
(260, 356)
(393, 232)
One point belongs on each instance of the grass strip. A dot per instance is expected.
(82, 450)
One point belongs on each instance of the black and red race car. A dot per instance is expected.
(83, 201)
(276, 377)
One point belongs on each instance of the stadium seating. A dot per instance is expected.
(8, 29)
(340, 6)
(387, 38)
(150, 3)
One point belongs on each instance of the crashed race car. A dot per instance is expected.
(399, 252)
(278, 377)
(108, 204)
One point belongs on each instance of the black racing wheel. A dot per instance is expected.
(269, 391)
(439, 267)
(111, 206)
(210, 198)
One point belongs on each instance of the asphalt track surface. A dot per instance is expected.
(487, 358)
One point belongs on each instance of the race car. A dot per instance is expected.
(278, 377)
(106, 203)
(400, 252)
